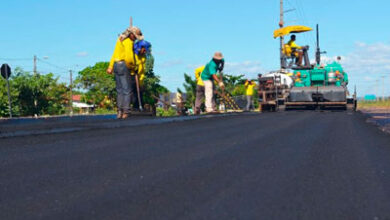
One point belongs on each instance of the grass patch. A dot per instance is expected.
(103, 111)
(166, 113)
(374, 104)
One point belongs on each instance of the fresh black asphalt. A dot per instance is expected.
(288, 165)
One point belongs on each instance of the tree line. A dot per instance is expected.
(38, 94)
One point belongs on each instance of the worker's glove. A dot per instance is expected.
(221, 84)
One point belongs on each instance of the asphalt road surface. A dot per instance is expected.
(290, 165)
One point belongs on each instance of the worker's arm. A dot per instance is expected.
(124, 34)
(220, 83)
(294, 45)
(111, 65)
(140, 64)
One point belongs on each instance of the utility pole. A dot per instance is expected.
(35, 74)
(35, 65)
(71, 92)
(281, 24)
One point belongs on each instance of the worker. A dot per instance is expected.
(249, 91)
(125, 34)
(141, 49)
(209, 74)
(199, 89)
(122, 63)
(338, 60)
(297, 50)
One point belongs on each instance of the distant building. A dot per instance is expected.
(172, 99)
(84, 108)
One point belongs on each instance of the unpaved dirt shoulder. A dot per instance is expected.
(379, 117)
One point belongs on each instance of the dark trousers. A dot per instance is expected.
(199, 98)
(123, 86)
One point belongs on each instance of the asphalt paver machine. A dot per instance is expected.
(316, 85)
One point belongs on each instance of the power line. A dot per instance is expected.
(53, 65)
(302, 16)
(15, 59)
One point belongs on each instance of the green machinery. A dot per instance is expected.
(321, 86)
(318, 85)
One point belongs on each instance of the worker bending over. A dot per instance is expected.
(199, 89)
(209, 75)
(123, 63)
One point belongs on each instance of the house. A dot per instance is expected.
(173, 99)
(83, 108)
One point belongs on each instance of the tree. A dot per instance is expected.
(151, 87)
(190, 90)
(234, 84)
(39, 94)
(4, 108)
(99, 85)
(33, 95)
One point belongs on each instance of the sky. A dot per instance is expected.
(74, 34)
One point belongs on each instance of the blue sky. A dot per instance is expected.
(74, 34)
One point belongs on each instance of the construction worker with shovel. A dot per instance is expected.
(122, 64)
(209, 75)
(141, 48)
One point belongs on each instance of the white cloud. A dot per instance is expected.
(368, 58)
(369, 78)
(365, 59)
(193, 66)
(82, 54)
(366, 65)
(171, 63)
(248, 68)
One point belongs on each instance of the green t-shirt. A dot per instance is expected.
(210, 69)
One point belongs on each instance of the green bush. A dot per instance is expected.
(160, 112)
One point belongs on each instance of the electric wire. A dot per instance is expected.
(15, 59)
(53, 65)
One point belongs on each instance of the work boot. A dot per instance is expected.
(119, 115)
(125, 115)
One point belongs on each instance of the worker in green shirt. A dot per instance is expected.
(209, 75)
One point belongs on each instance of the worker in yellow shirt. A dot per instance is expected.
(199, 89)
(122, 63)
(296, 49)
(141, 48)
(249, 91)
